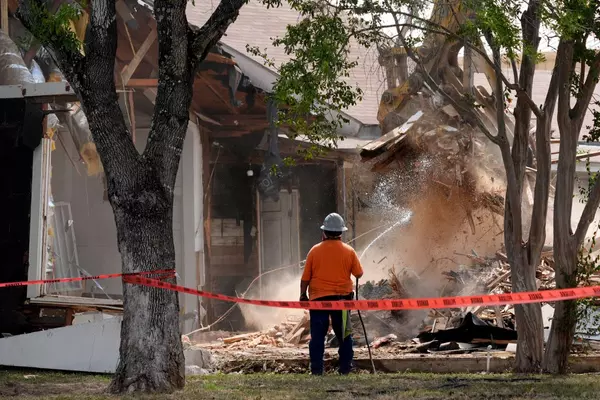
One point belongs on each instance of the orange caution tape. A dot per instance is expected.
(167, 272)
(545, 296)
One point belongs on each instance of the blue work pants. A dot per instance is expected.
(319, 326)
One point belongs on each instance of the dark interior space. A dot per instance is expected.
(317, 185)
(234, 260)
(15, 199)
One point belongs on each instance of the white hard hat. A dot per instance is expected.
(334, 223)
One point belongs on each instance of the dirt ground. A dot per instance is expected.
(45, 385)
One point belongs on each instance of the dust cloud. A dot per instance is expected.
(431, 228)
(279, 286)
(439, 237)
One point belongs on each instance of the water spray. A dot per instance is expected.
(404, 220)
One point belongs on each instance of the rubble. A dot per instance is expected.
(286, 334)
(402, 332)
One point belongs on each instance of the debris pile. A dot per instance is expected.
(441, 330)
(285, 334)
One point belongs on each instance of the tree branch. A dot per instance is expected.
(537, 232)
(586, 93)
(181, 49)
(444, 31)
(174, 92)
(203, 39)
(35, 16)
(588, 214)
(530, 25)
(564, 66)
(565, 178)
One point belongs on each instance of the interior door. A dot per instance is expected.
(279, 231)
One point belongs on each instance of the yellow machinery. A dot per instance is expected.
(439, 57)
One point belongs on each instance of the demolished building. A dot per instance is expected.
(230, 223)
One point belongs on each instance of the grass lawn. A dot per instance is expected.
(44, 385)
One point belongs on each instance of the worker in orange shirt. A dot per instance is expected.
(327, 276)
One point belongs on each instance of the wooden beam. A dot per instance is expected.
(124, 12)
(217, 58)
(230, 106)
(131, 114)
(138, 57)
(4, 16)
(206, 204)
(582, 156)
(142, 83)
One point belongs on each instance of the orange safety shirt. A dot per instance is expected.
(328, 268)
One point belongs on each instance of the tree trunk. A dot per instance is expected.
(140, 186)
(151, 353)
(565, 244)
(530, 328)
(556, 360)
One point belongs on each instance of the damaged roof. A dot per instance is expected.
(257, 26)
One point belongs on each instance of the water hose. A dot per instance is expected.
(373, 371)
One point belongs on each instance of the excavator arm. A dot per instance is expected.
(439, 56)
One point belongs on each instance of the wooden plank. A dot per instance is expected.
(227, 250)
(142, 83)
(227, 241)
(138, 57)
(295, 339)
(238, 338)
(237, 259)
(380, 145)
(131, 114)
(217, 58)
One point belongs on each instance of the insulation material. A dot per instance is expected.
(13, 70)
(79, 27)
(52, 122)
(77, 123)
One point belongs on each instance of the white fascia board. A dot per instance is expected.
(37, 91)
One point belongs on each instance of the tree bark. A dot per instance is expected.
(151, 353)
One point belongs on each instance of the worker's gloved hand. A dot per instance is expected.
(303, 297)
